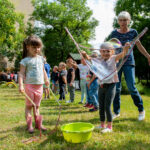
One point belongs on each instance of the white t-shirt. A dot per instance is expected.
(34, 69)
(106, 69)
(83, 71)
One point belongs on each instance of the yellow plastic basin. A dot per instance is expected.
(77, 132)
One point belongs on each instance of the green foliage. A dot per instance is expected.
(56, 15)
(140, 14)
(11, 29)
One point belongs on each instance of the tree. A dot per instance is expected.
(140, 15)
(54, 16)
(11, 30)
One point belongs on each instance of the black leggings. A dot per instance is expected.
(106, 96)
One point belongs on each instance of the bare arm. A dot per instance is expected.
(143, 50)
(21, 77)
(92, 79)
(45, 77)
(85, 55)
(73, 77)
(124, 52)
(64, 79)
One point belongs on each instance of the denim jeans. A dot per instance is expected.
(83, 89)
(71, 90)
(129, 74)
(92, 93)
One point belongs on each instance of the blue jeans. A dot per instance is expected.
(129, 74)
(92, 93)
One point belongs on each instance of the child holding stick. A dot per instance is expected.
(32, 70)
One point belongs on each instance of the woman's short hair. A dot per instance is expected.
(124, 15)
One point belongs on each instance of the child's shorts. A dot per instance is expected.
(45, 87)
(35, 92)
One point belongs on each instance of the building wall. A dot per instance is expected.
(23, 6)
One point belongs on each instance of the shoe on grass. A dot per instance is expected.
(99, 127)
(141, 115)
(106, 130)
(80, 103)
(116, 116)
(93, 109)
(68, 101)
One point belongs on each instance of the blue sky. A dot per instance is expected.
(103, 11)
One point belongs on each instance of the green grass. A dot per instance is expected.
(128, 133)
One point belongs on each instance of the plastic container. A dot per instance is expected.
(77, 132)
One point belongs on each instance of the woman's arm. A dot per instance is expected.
(143, 50)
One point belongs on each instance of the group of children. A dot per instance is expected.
(32, 76)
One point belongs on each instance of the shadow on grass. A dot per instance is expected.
(134, 145)
(131, 124)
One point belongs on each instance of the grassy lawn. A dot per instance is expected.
(128, 133)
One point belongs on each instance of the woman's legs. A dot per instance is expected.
(129, 73)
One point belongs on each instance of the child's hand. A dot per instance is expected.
(47, 82)
(83, 53)
(127, 44)
(21, 89)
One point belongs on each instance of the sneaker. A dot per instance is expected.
(106, 130)
(99, 127)
(86, 105)
(116, 116)
(91, 106)
(80, 103)
(93, 109)
(141, 116)
(68, 101)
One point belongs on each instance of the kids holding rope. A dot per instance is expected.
(107, 89)
(32, 70)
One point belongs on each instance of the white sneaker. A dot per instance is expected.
(99, 127)
(116, 116)
(68, 101)
(141, 116)
(106, 130)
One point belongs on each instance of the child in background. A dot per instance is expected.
(83, 73)
(107, 90)
(32, 68)
(62, 80)
(54, 77)
(92, 89)
(46, 88)
(70, 79)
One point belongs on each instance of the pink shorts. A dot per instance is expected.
(35, 92)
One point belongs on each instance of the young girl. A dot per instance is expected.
(107, 90)
(32, 70)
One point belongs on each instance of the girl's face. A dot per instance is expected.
(69, 63)
(106, 53)
(123, 22)
(33, 50)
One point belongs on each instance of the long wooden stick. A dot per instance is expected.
(25, 94)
